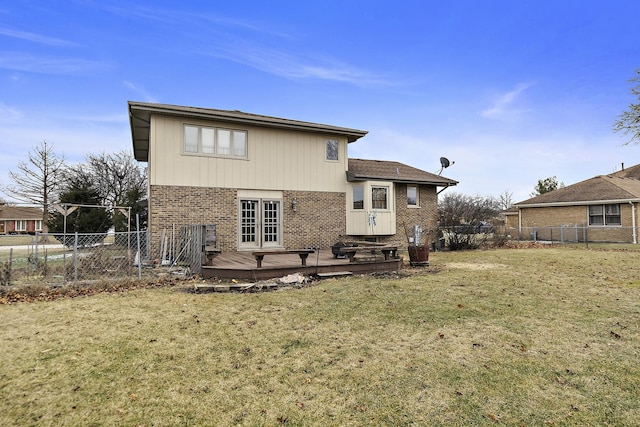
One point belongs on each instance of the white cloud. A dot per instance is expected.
(9, 114)
(504, 104)
(36, 38)
(147, 97)
(287, 65)
(48, 64)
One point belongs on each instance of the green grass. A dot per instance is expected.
(512, 337)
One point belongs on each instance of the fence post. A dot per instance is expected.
(586, 237)
(138, 242)
(37, 260)
(75, 259)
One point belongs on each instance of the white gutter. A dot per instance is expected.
(633, 223)
(581, 203)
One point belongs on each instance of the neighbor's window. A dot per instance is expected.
(21, 225)
(379, 197)
(604, 215)
(412, 195)
(214, 141)
(332, 149)
(358, 197)
(38, 225)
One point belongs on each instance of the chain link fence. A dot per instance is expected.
(56, 258)
(469, 237)
(50, 258)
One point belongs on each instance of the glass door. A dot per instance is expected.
(271, 223)
(249, 224)
(260, 224)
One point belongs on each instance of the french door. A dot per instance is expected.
(260, 223)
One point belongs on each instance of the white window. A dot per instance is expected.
(38, 225)
(212, 141)
(358, 197)
(604, 215)
(21, 225)
(191, 139)
(332, 149)
(412, 196)
(379, 199)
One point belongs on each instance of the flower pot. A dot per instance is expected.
(419, 255)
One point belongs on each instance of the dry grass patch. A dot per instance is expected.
(535, 337)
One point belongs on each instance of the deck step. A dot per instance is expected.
(334, 274)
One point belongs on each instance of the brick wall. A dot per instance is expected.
(564, 215)
(171, 205)
(318, 220)
(426, 215)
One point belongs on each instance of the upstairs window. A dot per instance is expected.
(210, 141)
(604, 215)
(332, 149)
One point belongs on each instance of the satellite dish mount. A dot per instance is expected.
(444, 163)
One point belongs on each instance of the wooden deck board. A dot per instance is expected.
(242, 265)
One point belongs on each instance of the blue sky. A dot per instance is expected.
(511, 91)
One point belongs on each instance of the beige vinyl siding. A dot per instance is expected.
(358, 220)
(276, 160)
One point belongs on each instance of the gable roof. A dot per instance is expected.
(362, 170)
(140, 122)
(621, 186)
(19, 212)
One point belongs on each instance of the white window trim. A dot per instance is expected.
(388, 192)
(326, 152)
(21, 225)
(215, 129)
(604, 216)
(417, 205)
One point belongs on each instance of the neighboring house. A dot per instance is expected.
(604, 207)
(268, 182)
(20, 219)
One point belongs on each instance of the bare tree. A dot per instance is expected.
(118, 177)
(628, 122)
(38, 180)
(456, 209)
(505, 200)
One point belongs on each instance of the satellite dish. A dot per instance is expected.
(444, 163)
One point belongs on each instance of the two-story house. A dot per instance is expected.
(268, 182)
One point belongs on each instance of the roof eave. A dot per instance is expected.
(143, 111)
(578, 203)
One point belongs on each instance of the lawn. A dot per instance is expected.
(498, 337)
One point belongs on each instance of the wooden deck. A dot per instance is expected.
(243, 265)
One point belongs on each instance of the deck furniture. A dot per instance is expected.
(303, 253)
(387, 251)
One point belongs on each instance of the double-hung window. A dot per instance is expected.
(211, 141)
(604, 215)
(21, 225)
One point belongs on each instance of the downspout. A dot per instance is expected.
(519, 222)
(633, 223)
(443, 189)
